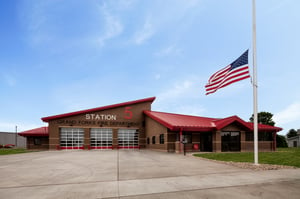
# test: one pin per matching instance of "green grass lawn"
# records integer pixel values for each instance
(4, 151)
(283, 156)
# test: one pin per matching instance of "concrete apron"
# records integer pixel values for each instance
(133, 174)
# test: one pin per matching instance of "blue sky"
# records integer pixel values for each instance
(59, 56)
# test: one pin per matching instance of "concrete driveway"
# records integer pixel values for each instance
(136, 174)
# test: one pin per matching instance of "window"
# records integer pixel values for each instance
(148, 140)
(37, 141)
(262, 136)
(161, 139)
(153, 139)
(187, 138)
(249, 136)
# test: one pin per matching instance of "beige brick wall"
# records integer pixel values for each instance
(154, 128)
(79, 121)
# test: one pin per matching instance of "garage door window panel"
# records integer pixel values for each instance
(71, 138)
(101, 138)
(128, 138)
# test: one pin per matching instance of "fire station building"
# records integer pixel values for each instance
(133, 125)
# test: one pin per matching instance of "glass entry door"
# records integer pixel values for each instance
(231, 141)
(128, 139)
(206, 141)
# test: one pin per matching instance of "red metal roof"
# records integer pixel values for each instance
(42, 131)
(263, 127)
(185, 122)
(176, 122)
(47, 119)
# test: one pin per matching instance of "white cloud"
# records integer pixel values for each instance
(113, 26)
(181, 97)
(52, 22)
(34, 18)
(145, 33)
(124, 4)
(290, 114)
(177, 90)
(170, 50)
(162, 17)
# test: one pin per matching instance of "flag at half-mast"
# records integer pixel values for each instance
(234, 72)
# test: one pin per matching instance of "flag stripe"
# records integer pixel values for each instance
(224, 83)
(234, 72)
(240, 71)
(218, 74)
(228, 83)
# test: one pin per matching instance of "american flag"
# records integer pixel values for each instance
(234, 72)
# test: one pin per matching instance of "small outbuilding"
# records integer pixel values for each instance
(294, 141)
(37, 138)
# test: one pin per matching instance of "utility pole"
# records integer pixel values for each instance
(16, 137)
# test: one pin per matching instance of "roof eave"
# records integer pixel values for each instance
(33, 134)
(193, 129)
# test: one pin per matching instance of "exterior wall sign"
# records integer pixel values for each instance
(100, 117)
(98, 123)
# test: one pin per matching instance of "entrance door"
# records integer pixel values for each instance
(128, 139)
(231, 141)
(206, 141)
(101, 138)
(295, 144)
(71, 138)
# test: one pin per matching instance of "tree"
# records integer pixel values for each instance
(263, 118)
(280, 141)
(291, 133)
(266, 118)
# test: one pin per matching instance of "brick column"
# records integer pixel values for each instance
(86, 143)
(217, 141)
(115, 142)
(243, 141)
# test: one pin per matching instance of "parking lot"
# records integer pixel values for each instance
(136, 174)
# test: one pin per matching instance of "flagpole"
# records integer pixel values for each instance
(254, 84)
